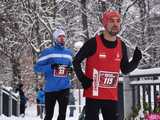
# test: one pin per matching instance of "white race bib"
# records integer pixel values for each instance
(61, 71)
(108, 79)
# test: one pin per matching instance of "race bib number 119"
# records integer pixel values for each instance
(108, 79)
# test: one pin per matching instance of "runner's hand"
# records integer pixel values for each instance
(86, 82)
(69, 69)
(137, 54)
(54, 66)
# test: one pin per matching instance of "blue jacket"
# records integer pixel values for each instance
(54, 55)
(41, 96)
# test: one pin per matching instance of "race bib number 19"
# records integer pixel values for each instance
(108, 79)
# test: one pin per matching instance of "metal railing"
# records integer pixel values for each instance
(9, 102)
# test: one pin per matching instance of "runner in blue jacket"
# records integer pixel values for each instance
(55, 63)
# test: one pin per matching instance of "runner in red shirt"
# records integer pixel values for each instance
(105, 56)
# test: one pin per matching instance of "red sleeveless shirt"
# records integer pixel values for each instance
(104, 67)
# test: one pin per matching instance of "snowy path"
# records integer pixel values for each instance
(31, 111)
(31, 115)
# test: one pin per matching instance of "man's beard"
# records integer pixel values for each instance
(113, 33)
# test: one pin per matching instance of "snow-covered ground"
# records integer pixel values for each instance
(31, 113)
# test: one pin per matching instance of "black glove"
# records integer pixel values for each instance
(137, 54)
(55, 66)
(69, 69)
(86, 82)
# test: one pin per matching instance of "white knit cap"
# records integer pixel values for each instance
(57, 33)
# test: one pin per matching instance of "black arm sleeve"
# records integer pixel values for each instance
(125, 65)
(87, 50)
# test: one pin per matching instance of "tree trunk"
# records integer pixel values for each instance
(84, 20)
(16, 71)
